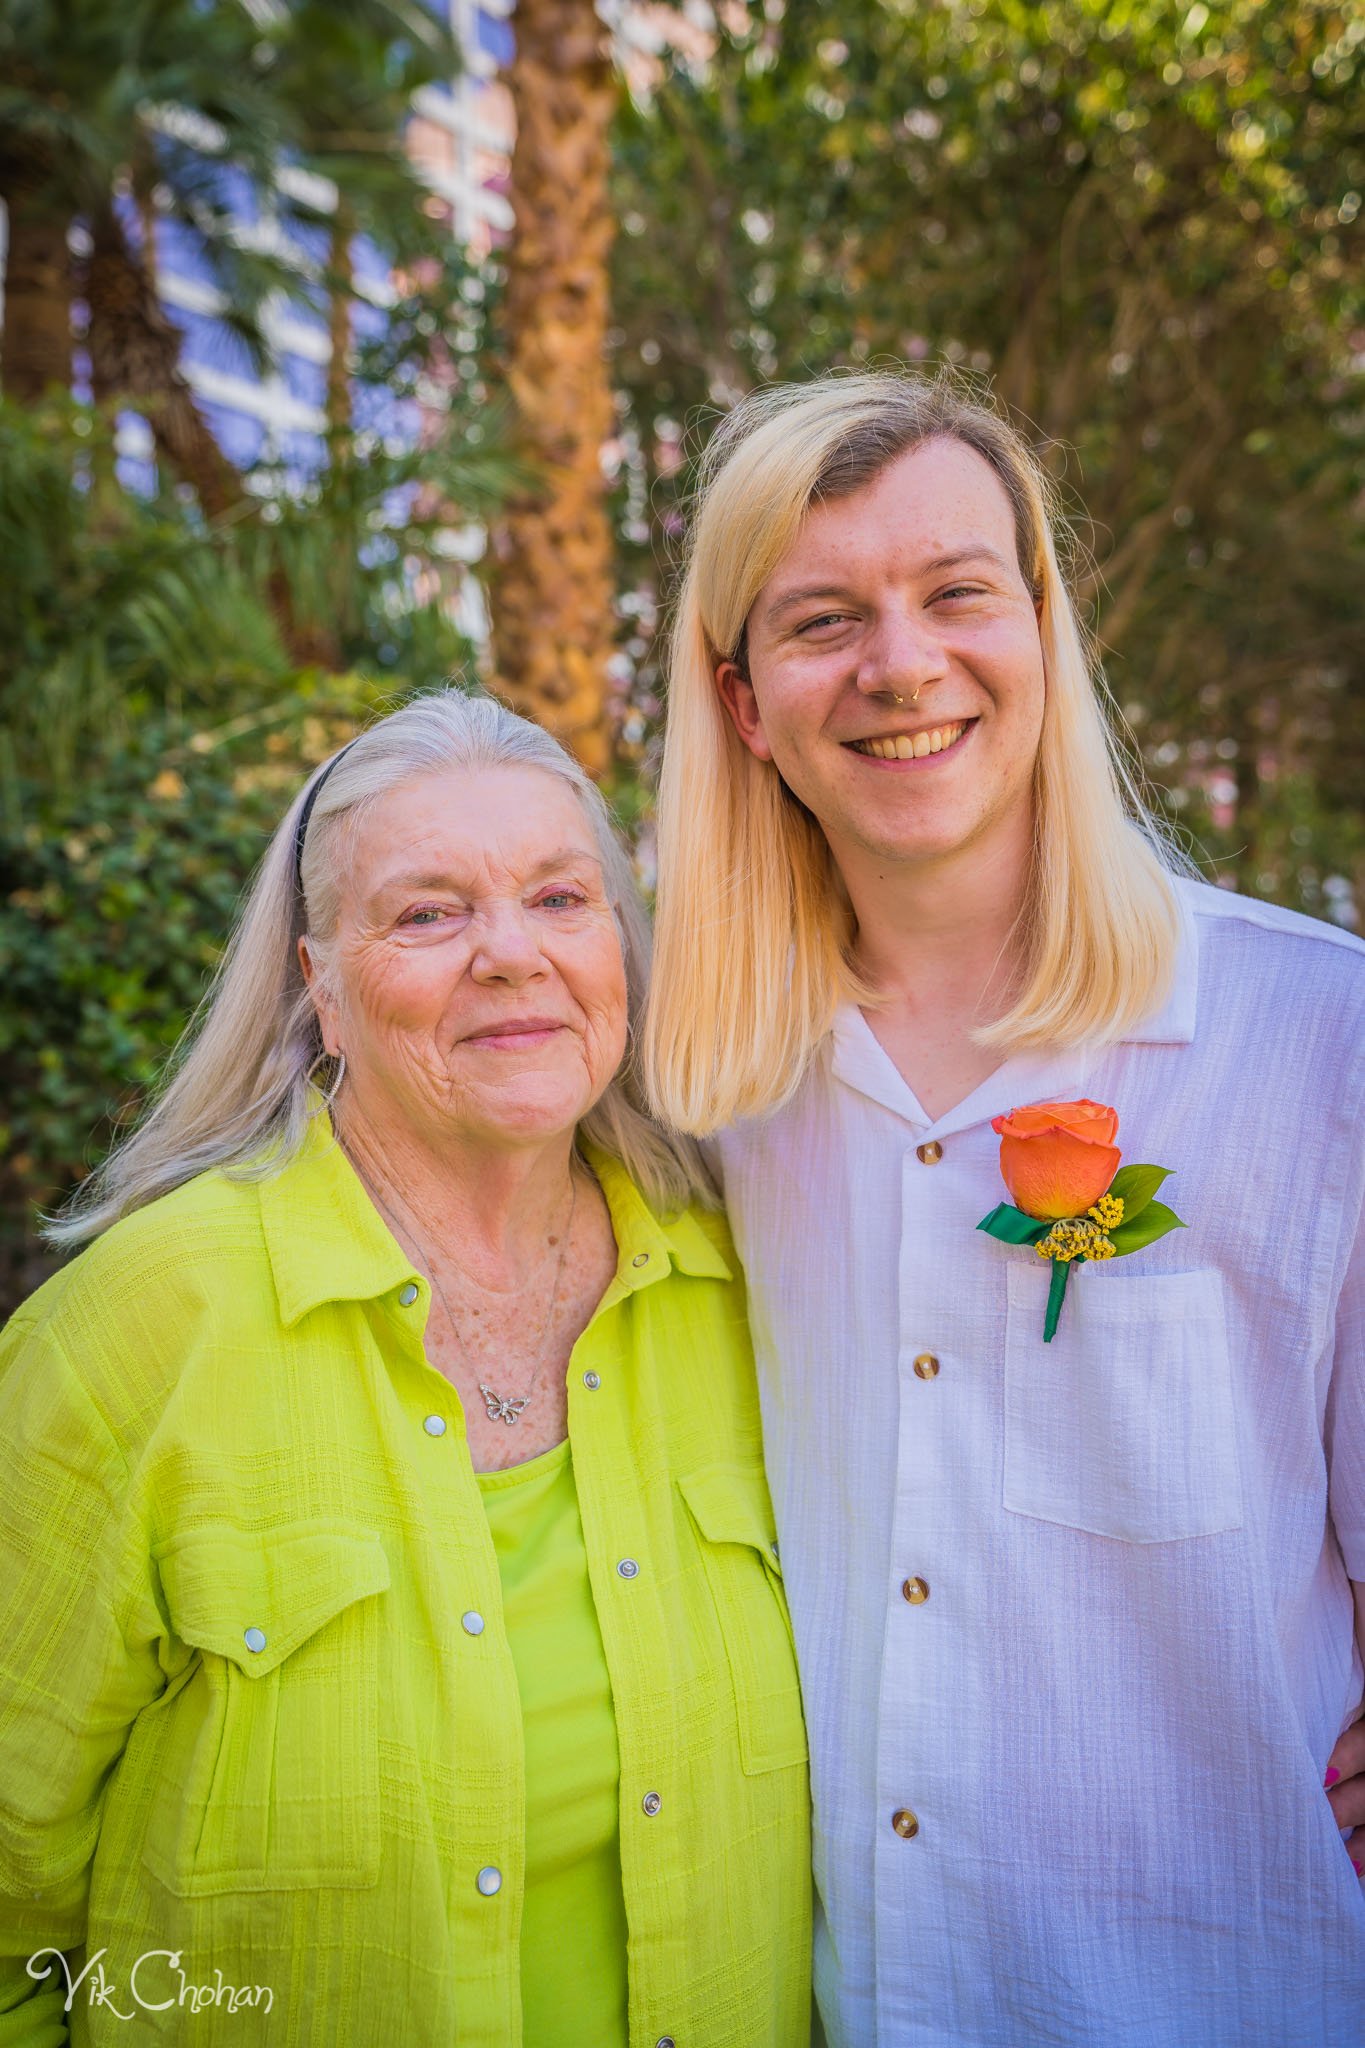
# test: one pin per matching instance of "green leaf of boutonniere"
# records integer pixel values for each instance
(1154, 1221)
(1135, 1186)
(1012, 1226)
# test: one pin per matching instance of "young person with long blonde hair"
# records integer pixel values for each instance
(1070, 1553)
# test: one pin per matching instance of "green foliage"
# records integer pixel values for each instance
(1155, 1220)
(343, 73)
(1142, 224)
(1135, 1187)
(126, 93)
(115, 608)
(206, 112)
(112, 607)
(116, 894)
(435, 336)
(166, 680)
(153, 733)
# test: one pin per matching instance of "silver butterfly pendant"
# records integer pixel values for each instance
(506, 1408)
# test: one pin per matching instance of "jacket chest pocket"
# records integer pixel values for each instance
(1125, 1424)
(269, 1756)
(739, 1558)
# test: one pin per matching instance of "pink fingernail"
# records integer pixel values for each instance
(1332, 1775)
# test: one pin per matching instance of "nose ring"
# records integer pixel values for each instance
(900, 700)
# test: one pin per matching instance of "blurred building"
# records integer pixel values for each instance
(460, 139)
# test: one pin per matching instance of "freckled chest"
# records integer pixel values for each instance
(500, 1341)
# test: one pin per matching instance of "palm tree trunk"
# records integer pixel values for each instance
(36, 346)
(340, 271)
(552, 580)
(135, 357)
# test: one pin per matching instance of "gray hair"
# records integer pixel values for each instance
(241, 1095)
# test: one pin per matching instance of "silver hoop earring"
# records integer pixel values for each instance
(329, 1095)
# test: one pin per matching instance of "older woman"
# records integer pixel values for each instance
(392, 1641)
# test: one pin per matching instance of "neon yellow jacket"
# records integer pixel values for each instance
(254, 1771)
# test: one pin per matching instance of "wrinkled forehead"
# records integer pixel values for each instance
(470, 823)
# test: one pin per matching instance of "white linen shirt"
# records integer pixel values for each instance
(1112, 1713)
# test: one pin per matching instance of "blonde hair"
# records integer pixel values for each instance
(241, 1095)
(753, 931)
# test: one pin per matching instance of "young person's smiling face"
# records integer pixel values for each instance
(911, 584)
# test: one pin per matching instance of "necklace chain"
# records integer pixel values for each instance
(508, 1408)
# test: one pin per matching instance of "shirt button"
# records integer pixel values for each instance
(926, 1366)
(472, 1623)
(665, 2041)
(905, 1823)
(650, 1804)
(640, 1259)
(915, 1591)
(930, 1154)
(489, 1880)
(592, 1381)
(407, 1294)
(628, 1569)
(254, 1639)
(435, 1425)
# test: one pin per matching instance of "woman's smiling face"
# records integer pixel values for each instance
(475, 980)
(910, 585)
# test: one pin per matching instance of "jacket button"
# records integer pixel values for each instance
(650, 1804)
(592, 1381)
(435, 1425)
(628, 1569)
(254, 1639)
(408, 1294)
(472, 1623)
(489, 1880)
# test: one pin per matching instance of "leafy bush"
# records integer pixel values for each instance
(152, 731)
(115, 899)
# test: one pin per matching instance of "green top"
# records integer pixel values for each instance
(573, 1916)
(258, 1702)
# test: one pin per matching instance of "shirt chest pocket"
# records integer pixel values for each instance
(740, 1561)
(1125, 1424)
(267, 1763)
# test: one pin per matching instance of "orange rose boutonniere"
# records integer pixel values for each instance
(1069, 1197)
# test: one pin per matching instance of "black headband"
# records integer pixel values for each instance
(301, 829)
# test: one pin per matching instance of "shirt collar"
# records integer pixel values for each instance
(1173, 1023)
(324, 1237)
(860, 1061)
(326, 1241)
(648, 1245)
